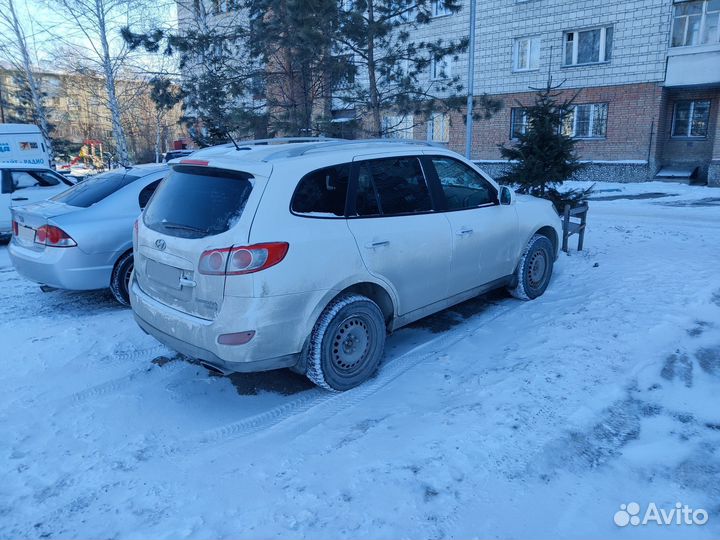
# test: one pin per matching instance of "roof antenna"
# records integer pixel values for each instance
(233, 140)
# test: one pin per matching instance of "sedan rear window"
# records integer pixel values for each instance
(93, 190)
(193, 202)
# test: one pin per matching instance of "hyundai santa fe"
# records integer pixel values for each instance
(305, 255)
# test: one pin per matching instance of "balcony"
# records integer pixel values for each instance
(693, 66)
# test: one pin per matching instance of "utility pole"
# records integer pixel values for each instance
(471, 82)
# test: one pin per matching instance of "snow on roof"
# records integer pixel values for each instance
(18, 128)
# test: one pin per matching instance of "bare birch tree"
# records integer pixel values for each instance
(17, 52)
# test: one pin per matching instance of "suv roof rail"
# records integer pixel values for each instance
(330, 143)
(287, 140)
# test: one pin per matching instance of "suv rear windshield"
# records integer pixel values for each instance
(193, 202)
(93, 190)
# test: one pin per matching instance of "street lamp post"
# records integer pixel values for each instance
(471, 81)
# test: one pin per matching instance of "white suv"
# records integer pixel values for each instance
(304, 255)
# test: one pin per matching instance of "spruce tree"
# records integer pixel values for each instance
(543, 156)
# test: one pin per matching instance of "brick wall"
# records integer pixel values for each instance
(687, 150)
(633, 117)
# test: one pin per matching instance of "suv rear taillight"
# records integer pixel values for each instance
(15, 227)
(49, 235)
(242, 260)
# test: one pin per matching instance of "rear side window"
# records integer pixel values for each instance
(93, 190)
(194, 202)
(24, 179)
(391, 187)
(322, 192)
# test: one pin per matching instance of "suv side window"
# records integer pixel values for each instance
(392, 186)
(322, 192)
(146, 193)
(463, 187)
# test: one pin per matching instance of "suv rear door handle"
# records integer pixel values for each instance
(464, 232)
(379, 243)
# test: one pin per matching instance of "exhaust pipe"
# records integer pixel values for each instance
(215, 369)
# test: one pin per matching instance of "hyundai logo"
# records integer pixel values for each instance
(160, 244)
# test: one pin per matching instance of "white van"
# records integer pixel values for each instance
(23, 144)
(25, 174)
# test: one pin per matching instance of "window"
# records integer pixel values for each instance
(588, 46)
(439, 127)
(146, 193)
(398, 127)
(195, 202)
(390, 187)
(696, 23)
(690, 118)
(526, 54)
(587, 121)
(322, 192)
(225, 6)
(440, 68)
(519, 122)
(463, 187)
(439, 9)
(25, 179)
(88, 192)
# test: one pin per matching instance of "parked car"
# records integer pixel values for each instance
(23, 184)
(174, 154)
(81, 239)
(304, 255)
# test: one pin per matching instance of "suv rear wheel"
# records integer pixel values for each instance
(346, 343)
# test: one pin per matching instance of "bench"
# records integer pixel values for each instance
(571, 225)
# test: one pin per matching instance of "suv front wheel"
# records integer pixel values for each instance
(346, 343)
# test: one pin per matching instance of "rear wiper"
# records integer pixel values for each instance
(183, 227)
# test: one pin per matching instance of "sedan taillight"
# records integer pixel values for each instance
(242, 260)
(49, 235)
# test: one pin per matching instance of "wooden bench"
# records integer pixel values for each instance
(571, 227)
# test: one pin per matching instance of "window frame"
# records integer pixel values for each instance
(592, 119)
(351, 167)
(513, 112)
(690, 119)
(435, 74)
(432, 187)
(701, 30)
(602, 52)
(430, 171)
(536, 38)
(438, 9)
(431, 127)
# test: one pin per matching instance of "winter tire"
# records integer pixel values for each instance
(120, 280)
(346, 343)
(535, 269)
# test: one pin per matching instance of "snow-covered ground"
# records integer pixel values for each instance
(497, 418)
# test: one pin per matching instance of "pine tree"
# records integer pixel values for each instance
(392, 69)
(218, 79)
(543, 156)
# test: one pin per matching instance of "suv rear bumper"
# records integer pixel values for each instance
(279, 322)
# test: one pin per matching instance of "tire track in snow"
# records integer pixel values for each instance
(106, 387)
(331, 404)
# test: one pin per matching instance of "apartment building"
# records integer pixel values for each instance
(645, 75)
(78, 111)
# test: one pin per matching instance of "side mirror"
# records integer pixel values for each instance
(507, 195)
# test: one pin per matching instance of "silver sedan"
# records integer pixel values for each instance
(81, 239)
